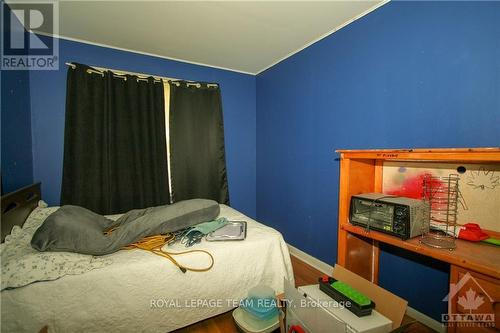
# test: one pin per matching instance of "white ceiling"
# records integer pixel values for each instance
(241, 36)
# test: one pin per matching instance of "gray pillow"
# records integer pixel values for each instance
(70, 228)
(76, 229)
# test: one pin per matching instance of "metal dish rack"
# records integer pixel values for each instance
(441, 194)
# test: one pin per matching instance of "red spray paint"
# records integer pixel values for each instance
(412, 187)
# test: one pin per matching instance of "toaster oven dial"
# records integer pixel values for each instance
(398, 227)
(399, 219)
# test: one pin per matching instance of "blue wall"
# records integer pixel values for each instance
(410, 74)
(48, 94)
(16, 148)
(17, 162)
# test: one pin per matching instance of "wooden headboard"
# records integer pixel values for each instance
(16, 206)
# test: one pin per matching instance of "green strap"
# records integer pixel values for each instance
(207, 227)
(195, 234)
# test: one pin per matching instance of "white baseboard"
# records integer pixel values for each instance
(323, 267)
(310, 260)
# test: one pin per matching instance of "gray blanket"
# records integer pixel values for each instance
(76, 229)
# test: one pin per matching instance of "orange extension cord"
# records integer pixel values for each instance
(154, 244)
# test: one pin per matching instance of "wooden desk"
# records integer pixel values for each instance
(358, 250)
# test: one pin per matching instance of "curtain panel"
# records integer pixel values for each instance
(197, 153)
(115, 146)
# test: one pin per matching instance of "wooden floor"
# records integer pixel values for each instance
(223, 323)
(303, 274)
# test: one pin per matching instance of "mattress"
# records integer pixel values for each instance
(141, 292)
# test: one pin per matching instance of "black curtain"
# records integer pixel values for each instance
(197, 155)
(115, 148)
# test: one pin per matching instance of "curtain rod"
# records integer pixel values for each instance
(141, 75)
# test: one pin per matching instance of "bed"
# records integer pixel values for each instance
(139, 291)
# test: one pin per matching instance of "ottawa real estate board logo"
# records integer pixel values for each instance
(474, 306)
(22, 48)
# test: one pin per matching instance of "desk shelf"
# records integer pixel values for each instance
(482, 258)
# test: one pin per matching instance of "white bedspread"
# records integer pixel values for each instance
(22, 264)
(141, 292)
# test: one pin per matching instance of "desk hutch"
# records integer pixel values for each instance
(358, 250)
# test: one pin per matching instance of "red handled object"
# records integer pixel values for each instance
(472, 232)
(296, 329)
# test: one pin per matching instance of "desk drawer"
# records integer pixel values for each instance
(478, 295)
(489, 284)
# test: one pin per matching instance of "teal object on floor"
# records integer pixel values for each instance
(260, 308)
